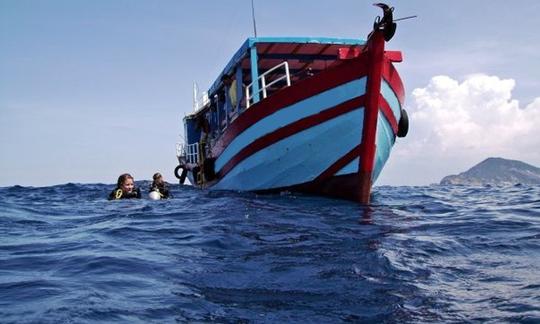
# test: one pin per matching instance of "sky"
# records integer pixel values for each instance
(93, 89)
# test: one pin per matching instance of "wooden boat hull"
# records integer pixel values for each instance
(329, 133)
(311, 136)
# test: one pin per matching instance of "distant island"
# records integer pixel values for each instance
(496, 171)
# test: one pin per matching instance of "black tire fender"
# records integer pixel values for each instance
(403, 125)
(180, 176)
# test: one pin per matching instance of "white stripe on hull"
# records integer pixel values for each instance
(291, 114)
(299, 158)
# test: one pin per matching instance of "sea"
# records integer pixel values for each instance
(428, 254)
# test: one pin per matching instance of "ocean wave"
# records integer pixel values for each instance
(416, 254)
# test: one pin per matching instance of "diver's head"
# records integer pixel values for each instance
(126, 182)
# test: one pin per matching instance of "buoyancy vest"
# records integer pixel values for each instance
(161, 188)
(120, 194)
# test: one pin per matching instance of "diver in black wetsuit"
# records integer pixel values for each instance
(160, 186)
(125, 188)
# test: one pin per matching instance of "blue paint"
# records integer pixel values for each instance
(291, 114)
(391, 98)
(384, 142)
(254, 75)
(239, 88)
(250, 43)
(306, 40)
(191, 131)
(352, 167)
(298, 158)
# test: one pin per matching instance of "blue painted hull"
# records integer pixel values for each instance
(328, 134)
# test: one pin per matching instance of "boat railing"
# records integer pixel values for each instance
(265, 86)
(201, 101)
(180, 152)
(191, 152)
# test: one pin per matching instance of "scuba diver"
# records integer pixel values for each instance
(159, 188)
(125, 188)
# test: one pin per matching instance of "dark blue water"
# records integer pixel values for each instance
(418, 254)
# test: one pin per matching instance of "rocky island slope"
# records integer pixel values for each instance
(496, 171)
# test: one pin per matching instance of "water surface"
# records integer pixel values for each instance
(417, 254)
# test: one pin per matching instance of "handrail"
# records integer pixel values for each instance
(180, 149)
(191, 152)
(201, 101)
(265, 86)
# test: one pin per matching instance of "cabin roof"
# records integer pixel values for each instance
(273, 50)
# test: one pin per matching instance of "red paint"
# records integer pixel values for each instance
(342, 186)
(338, 165)
(392, 77)
(347, 53)
(325, 80)
(289, 130)
(393, 56)
(373, 62)
(367, 148)
(388, 114)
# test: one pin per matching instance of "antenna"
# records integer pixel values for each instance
(195, 96)
(253, 16)
(404, 18)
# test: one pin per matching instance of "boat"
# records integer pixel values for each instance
(300, 114)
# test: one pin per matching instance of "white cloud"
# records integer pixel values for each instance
(455, 125)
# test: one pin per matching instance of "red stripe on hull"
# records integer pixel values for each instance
(338, 165)
(345, 72)
(289, 130)
(388, 114)
(356, 186)
(391, 76)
